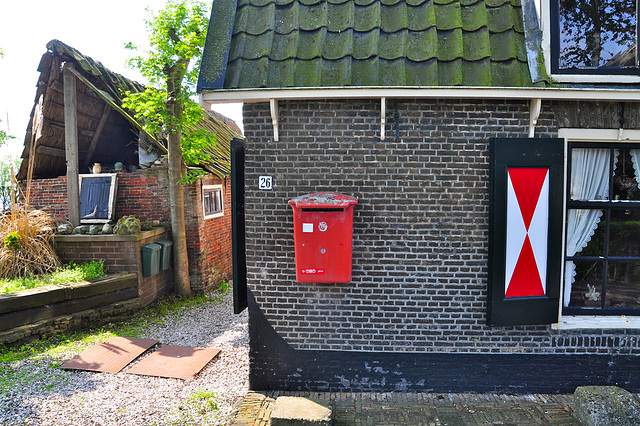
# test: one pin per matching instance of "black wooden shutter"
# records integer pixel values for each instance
(526, 185)
(237, 226)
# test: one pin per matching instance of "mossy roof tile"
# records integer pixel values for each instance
(337, 45)
(421, 17)
(394, 18)
(317, 43)
(340, 17)
(474, 16)
(366, 45)
(448, 16)
(336, 73)
(450, 45)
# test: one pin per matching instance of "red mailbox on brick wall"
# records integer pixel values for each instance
(323, 233)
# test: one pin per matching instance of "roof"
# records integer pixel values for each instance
(106, 132)
(335, 43)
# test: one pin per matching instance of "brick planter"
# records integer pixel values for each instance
(121, 253)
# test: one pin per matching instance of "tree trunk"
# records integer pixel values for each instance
(176, 193)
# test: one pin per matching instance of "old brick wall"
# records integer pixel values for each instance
(209, 239)
(420, 247)
(145, 194)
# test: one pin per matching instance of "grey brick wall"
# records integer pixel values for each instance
(420, 227)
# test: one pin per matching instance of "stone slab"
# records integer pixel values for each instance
(605, 405)
(300, 411)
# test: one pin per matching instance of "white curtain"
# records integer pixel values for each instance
(589, 182)
(635, 158)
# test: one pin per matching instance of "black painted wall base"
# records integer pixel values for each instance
(274, 365)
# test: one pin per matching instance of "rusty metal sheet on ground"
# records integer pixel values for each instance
(180, 362)
(109, 356)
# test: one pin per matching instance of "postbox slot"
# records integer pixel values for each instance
(321, 210)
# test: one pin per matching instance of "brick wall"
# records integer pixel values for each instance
(209, 239)
(420, 247)
(121, 253)
(145, 194)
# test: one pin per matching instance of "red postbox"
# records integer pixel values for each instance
(323, 233)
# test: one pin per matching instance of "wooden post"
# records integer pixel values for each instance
(71, 144)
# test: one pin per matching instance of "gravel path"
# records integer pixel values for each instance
(45, 395)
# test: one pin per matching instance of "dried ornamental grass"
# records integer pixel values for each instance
(35, 254)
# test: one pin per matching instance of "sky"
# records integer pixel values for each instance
(96, 29)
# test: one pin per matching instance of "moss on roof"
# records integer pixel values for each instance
(321, 43)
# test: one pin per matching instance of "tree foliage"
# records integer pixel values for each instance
(176, 36)
(594, 31)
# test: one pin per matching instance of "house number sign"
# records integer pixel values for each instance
(265, 182)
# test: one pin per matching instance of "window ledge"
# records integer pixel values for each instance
(569, 322)
(595, 78)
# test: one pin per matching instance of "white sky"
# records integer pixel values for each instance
(97, 29)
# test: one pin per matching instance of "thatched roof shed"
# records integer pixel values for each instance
(106, 133)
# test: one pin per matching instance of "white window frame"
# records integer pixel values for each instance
(567, 322)
(545, 23)
(214, 188)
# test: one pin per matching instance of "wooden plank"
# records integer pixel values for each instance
(71, 143)
(94, 141)
(54, 152)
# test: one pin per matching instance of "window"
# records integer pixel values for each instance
(594, 36)
(602, 257)
(212, 201)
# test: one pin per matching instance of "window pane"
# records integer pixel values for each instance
(597, 33)
(625, 181)
(585, 232)
(624, 233)
(586, 290)
(590, 174)
(623, 285)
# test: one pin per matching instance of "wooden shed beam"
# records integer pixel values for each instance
(71, 143)
(96, 135)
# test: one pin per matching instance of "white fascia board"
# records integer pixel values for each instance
(457, 92)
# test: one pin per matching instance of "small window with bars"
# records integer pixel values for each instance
(212, 201)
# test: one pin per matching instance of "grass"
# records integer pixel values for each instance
(65, 274)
